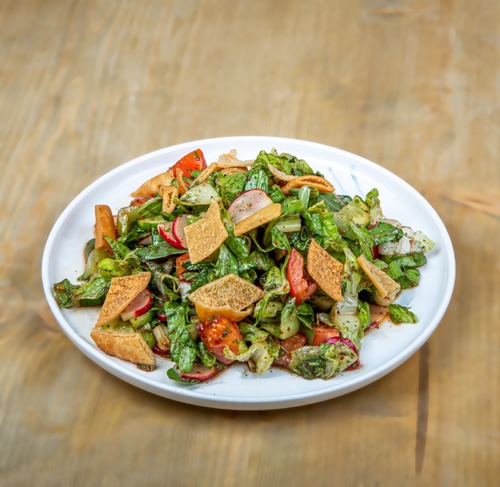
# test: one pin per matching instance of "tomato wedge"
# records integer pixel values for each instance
(194, 161)
(179, 268)
(288, 346)
(300, 287)
(218, 333)
(322, 333)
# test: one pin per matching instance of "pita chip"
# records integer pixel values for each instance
(230, 296)
(152, 186)
(121, 293)
(327, 271)
(386, 287)
(129, 346)
(206, 235)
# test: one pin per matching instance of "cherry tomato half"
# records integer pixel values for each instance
(194, 161)
(218, 333)
(300, 287)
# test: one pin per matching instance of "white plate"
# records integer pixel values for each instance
(236, 388)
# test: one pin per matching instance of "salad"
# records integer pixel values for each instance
(257, 261)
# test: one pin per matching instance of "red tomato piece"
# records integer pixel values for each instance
(194, 161)
(288, 346)
(218, 333)
(300, 287)
(179, 268)
(322, 333)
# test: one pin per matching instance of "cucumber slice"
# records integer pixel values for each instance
(118, 325)
(150, 223)
(142, 319)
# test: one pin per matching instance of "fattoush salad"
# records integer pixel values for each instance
(255, 261)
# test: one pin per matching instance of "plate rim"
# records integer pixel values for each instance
(189, 395)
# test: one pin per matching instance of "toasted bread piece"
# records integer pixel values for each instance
(206, 235)
(151, 186)
(327, 271)
(257, 219)
(205, 312)
(230, 160)
(129, 346)
(211, 168)
(104, 226)
(181, 184)
(321, 184)
(168, 193)
(231, 291)
(386, 287)
(121, 293)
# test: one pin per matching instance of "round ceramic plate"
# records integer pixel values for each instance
(236, 388)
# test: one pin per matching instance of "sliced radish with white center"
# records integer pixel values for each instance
(140, 304)
(178, 226)
(248, 203)
(166, 233)
(200, 373)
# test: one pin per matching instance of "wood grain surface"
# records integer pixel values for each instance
(88, 84)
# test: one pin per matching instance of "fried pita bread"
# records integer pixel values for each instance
(129, 346)
(206, 235)
(259, 218)
(104, 227)
(206, 172)
(327, 271)
(321, 184)
(205, 312)
(151, 186)
(181, 184)
(230, 296)
(230, 160)
(168, 193)
(121, 293)
(386, 287)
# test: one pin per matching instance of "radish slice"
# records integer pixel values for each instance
(146, 240)
(178, 226)
(140, 304)
(200, 373)
(280, 174)
(248, 203)
(166, 233)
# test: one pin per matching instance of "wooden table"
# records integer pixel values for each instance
(411, 85)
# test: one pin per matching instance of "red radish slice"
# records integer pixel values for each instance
(178, 226)
(248, 203)
(146, 240)
(166, 233)
(141, 304)
(200, 373)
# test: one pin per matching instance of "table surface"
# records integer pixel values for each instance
(411, 85)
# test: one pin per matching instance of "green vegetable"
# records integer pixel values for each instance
(109, 268)
(257, 179)
(230, 186)
(92, 293)
(92, 264)
(401, 314)
(323, 362)
(354, 212)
